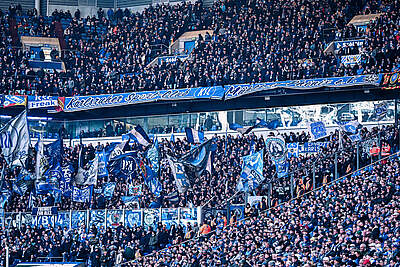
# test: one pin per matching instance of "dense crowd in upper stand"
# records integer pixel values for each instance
(215, 189)
(252, 41)
(351, 222)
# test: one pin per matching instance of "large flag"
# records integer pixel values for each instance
(197, 159)
(108, 190)
(151, 179)
(66, 178)
(150, 171)
(14, 140)
(115, 149)
(194, 136)
(82, 195)
(103, 160)
(351, 127)
(54, 175)
(41, 160)
(123, 165)
(282, 167)
(138, 134)
(19, 186)
(317, 130)
(88, 176)
(153, 156)
(252, 172)
(54, 151)
(177, 169)
(276, 148)
(4, 195)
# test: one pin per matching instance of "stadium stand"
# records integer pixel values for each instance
(273, 46)
(255, 196)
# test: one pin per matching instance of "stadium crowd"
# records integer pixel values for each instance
(212, 189)
(349, 222)
(249, 41)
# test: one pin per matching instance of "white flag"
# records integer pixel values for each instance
(14, 140)
(88, 177)
(41, 160)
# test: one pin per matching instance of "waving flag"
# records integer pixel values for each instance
(108, 190)
(4, 195)
(124, 165)
(380, 110)
(82, 195)
(19, 186)
(317, 130)
(88, 176)
(41, 161)
(138, 134)
(252, 172)
(102, 171)
(134, 190)
(177, 169)
(194, 136)
(54, 151)
(151, 179)
(197, 159)
(66, 178)
(351, 128)
(14, 140)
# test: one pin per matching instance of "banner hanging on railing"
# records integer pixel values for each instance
(78, 103)
(234, 91)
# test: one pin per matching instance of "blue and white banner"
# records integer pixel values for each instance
(350, 126)
(78, 219)
(42, 102)
(193, 136)
(88, 176)
(169, 217)
(133, 218)
(82, 195)
(238, 211)
(65, 182)
(78, 103)
(276, 148)
(292, 150)
(103, 160)
(380, 110)
(282, 168)
(252, 172)
(63, 219)
(234, 91)
(317, 130)
(97, 219)
(108, 190)
(178, 171)
(349, 43)
(188, 215)
(151, 217)
(150, 179)
(350, 60)
(114, 218)
(45, 221)
(312, 147)
(172, 59)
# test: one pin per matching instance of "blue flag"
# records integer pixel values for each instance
(282, 168)
(252, 172)
(317, 130)
(102, 170)
(178, 171)
(54, 151)
(54, 175)
(151, 179)
(43, 188)
(65, 183)
(197, 158)
(124, 165)
(4, 195)
(194, 136)
(108, 190)
(82, 195)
